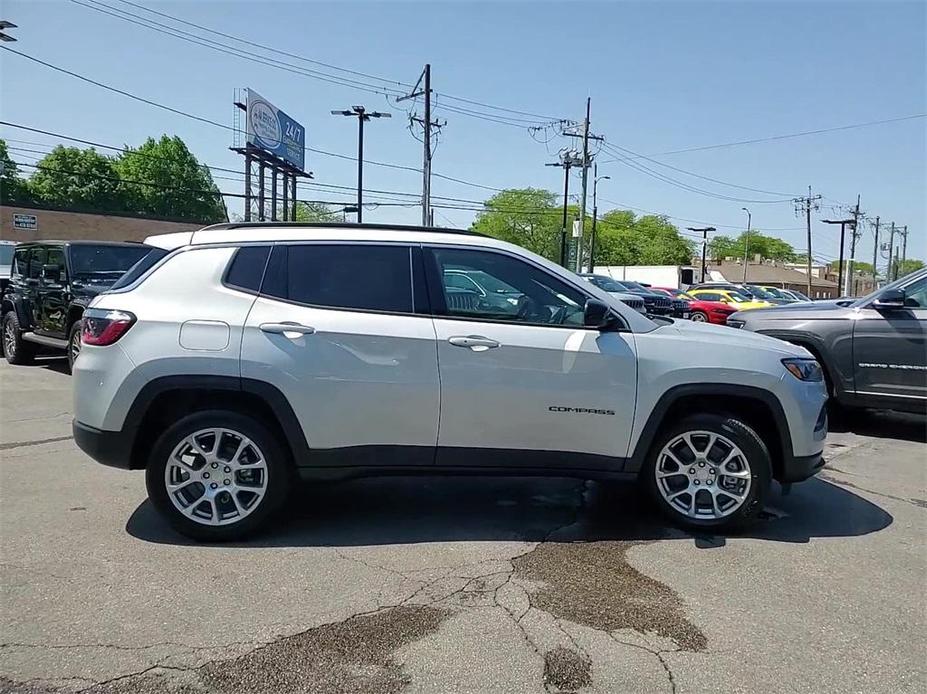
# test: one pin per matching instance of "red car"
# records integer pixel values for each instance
(701, 311)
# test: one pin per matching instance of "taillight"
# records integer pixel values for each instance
(103, 327)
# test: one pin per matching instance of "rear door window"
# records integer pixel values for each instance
(359, 277)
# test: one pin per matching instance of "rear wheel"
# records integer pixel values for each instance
(17, 350)
(709, 470)
(217, 475)
(699, 317)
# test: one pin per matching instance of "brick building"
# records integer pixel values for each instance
(34, 224)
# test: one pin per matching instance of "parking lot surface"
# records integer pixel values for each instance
(457, 584)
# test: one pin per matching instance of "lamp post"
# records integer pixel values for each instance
(595, 213)
(843, 224)
(747, 241)
(362, 115)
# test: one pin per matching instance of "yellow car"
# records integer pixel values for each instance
(728, 297)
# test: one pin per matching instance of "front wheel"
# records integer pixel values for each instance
(709, 470)
(698, 317)
(217, 475)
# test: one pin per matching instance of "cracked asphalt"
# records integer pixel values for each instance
(457, 585)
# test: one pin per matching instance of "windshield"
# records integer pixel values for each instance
(775, 293)
(739, 298)
(760, 293)
(491, 284)
(636, 288)
(6, 253)
(104, 260)
(608, 284)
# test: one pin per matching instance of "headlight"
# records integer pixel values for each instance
(736, 324)
(804, 369)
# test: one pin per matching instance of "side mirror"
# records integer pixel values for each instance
(889, 299)
(51, 273)
(597, 314)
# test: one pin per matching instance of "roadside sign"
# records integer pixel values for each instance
(28, 222)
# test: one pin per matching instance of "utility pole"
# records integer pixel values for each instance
(704, 231)
(875, 255)
(850, 285)
(427, 124)
(891, 251)
(806, 204)
(595, 213)
(746, 241)
(568, 159)
(362, 115)
(585, 164)
(895, 275)
(904, 245)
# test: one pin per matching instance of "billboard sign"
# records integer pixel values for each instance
(273, 131)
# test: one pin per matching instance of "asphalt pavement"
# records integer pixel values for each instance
(457, 584)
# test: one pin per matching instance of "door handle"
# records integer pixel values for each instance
(287, 328)
(477, 343)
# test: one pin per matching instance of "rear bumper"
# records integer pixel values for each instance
(801, 467)
(113, 448)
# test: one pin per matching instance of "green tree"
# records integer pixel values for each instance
(13, 189)
(315, 212)
(908, 266)
(767, 247)
(77, 178)
(529, 217)
(623, 238)
(162, 178)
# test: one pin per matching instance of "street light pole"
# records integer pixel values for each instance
(595, 213)
(843, 223)
(746, 241)
(362, 115)
(704, 232)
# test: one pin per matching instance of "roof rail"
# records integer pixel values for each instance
(339, 225)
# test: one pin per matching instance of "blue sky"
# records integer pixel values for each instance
(663, 76)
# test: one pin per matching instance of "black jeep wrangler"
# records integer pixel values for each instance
(51, 283)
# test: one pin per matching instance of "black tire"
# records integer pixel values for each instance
(755, 456)
(73, 350)
(279, 475)
(17, 350)
(699, 317)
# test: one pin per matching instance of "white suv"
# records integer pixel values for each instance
(248, 355)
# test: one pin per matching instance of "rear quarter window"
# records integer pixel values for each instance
(147, 262)
(247, 268)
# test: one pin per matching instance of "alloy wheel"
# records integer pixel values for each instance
(216, 476)
(9, 337)
(75, 345)
(698, 317)
(703, 475)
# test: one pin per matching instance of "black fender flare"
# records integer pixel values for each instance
(275, 400)
(14, 302)
(676, 393)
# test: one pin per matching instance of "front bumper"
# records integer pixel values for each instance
(800, 468)
(112, 448)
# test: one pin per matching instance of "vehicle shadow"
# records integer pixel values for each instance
(883, 424)
(405, 510)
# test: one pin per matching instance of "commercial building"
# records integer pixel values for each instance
(35, 224)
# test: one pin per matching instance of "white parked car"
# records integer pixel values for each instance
(252, 354)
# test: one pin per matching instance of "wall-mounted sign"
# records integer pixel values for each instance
(26, 222)
(273, 131)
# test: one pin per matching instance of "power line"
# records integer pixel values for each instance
(689, 173)
(398, 90)
(685, 186)
(791, 135)
(208, 121)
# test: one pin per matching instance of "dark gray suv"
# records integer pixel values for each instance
(873, 350)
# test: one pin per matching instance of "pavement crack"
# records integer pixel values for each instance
(657, 653)
(919, 503)
(37, 442)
